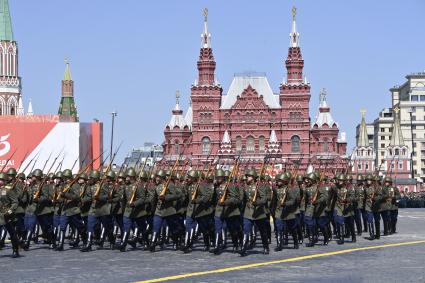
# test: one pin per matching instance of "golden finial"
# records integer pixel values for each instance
(205, 14)
(177, 96)
(363, 112)
(294, 13)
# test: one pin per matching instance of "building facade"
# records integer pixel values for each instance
(252, 122)
(409, 100)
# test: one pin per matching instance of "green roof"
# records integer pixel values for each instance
(6, 32)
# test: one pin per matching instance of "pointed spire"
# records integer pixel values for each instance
(226, 137)
(6, 31)
(324, 116)
(294, 35)
(189, 115)
(273, 146)
(397, 136)
(363, 140)
(177, 116)
(20, 111)
(206, 36)
(226, 145)
(273, 137)
(30, 110)
(206, 63)
(67, 75)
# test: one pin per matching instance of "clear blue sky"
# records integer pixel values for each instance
(132, 55)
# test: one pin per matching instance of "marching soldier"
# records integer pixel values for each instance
(71, 210)
(255, 200)
(388, 194)
(8, 205)
(17, 183)
(58, 206)
(301, 225)
(369, 196)
(227, 200)
(395, 198)
(359, 213)
(40, 208)
(165, 195)
(378, 200)
(344, 209)
(136, 198)
(100, 210)
(116, 200)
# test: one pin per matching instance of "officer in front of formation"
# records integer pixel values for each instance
(254, 200)
(8, 205)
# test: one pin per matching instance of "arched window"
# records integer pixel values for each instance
(295, 144)
(12, 110)
(396, 151)
(238, 144)
(325, 145)
(250, 144)
(261, 144)
(206, 145)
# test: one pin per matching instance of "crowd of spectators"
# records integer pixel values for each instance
(412, 200)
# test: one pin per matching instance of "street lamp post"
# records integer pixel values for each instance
(413, 148)
(114, 114)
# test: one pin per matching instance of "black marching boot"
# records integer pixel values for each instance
(153, 242)
(371, 228)
(61, 241)
(207, 242)
(353, 234)
(340, 234)
(89, 243)
(28, 239)
(235, 243)
(279, 239)
(310, 238)
(377, 230)
(265, 242)
(245, 244)
(295, 237)
(217, 244)
(187, 242)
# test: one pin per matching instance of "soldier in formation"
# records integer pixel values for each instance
(135, 206)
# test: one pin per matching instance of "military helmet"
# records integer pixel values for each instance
(111, 174)
(21, 176)
(219, 173)
(349, 177)
(299, 178)
(3, 176)
(130, 172)
(288, 175)
(144, 175)
(227, 173)
(83, 176)
(168, 173)
(360, 178)
(369, 177)
(341, 177)
(121, 175)
(280, 177)
(58, 175)
(95, 174)
(67, 173)
(193, 174)
(251, 172)
(161, 173)
(51, 175)
(317, 174)
(11, 172)
(37, 173)
(311, 176)
(388, 179)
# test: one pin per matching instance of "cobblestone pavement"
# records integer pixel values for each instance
(402, 263)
